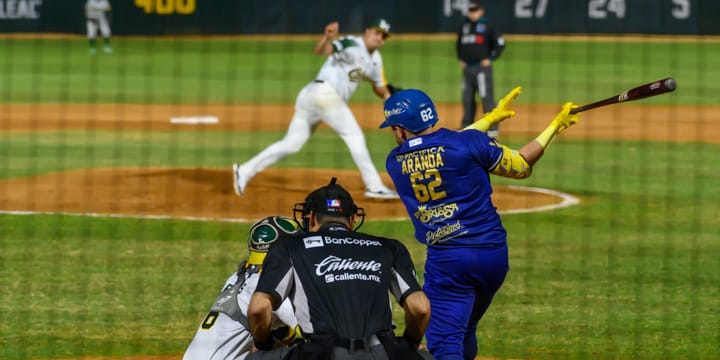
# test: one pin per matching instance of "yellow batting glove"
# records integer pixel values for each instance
(564, 119)
(498, 114)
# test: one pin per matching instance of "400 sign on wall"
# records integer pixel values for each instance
(167, 7)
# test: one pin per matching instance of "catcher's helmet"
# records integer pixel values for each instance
(410, 109)
(267, 230)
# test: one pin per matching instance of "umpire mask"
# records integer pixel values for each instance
(331, 199)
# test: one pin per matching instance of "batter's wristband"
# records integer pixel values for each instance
(547, 135)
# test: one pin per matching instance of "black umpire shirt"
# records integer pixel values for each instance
(338, 280)
(477, 41)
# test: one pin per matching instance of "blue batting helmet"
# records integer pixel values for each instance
(410, 109)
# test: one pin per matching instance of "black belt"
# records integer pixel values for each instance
(319, 81)
(356, 344)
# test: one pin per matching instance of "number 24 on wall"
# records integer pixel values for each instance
(167, 7)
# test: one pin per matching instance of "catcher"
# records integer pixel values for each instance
(224, 334)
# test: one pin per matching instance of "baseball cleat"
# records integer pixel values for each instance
(383, 193)
(239, 180)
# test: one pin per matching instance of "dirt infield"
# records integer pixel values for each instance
(206, 193)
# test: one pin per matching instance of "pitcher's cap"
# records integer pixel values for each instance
(474, 5)
(382, 26)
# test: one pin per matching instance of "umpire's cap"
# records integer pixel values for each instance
(331, 199)
(410, 109)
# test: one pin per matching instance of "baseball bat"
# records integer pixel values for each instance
(640, 92)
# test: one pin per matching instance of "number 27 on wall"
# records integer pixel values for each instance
(167, 7)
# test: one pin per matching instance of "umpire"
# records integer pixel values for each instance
(478, 45)
(338, 281)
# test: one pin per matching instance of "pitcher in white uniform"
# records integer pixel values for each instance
(351, 59)
(97, 14)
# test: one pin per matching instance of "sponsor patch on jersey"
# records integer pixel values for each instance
(415, 141)
(333, 269)
(313, 241)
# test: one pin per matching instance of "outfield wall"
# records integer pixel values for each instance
(149, 17)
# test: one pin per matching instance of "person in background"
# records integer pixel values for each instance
(350, 61)
(97, 15)
(478, 46)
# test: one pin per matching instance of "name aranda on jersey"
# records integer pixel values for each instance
(421, 160)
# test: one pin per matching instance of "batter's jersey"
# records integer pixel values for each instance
(338, 280)
(95, 9)
(349, 64)
(443, 180)
(224, 333)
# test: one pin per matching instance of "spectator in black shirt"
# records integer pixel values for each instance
(478, 45)
(338, 282)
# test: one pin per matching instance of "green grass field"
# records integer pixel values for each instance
(632, 272)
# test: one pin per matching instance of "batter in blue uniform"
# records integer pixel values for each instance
(443, 179)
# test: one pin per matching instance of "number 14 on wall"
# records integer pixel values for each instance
(167, 7)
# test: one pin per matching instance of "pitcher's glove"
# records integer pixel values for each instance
(393, 89)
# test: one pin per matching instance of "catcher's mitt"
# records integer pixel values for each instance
(393, 89)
